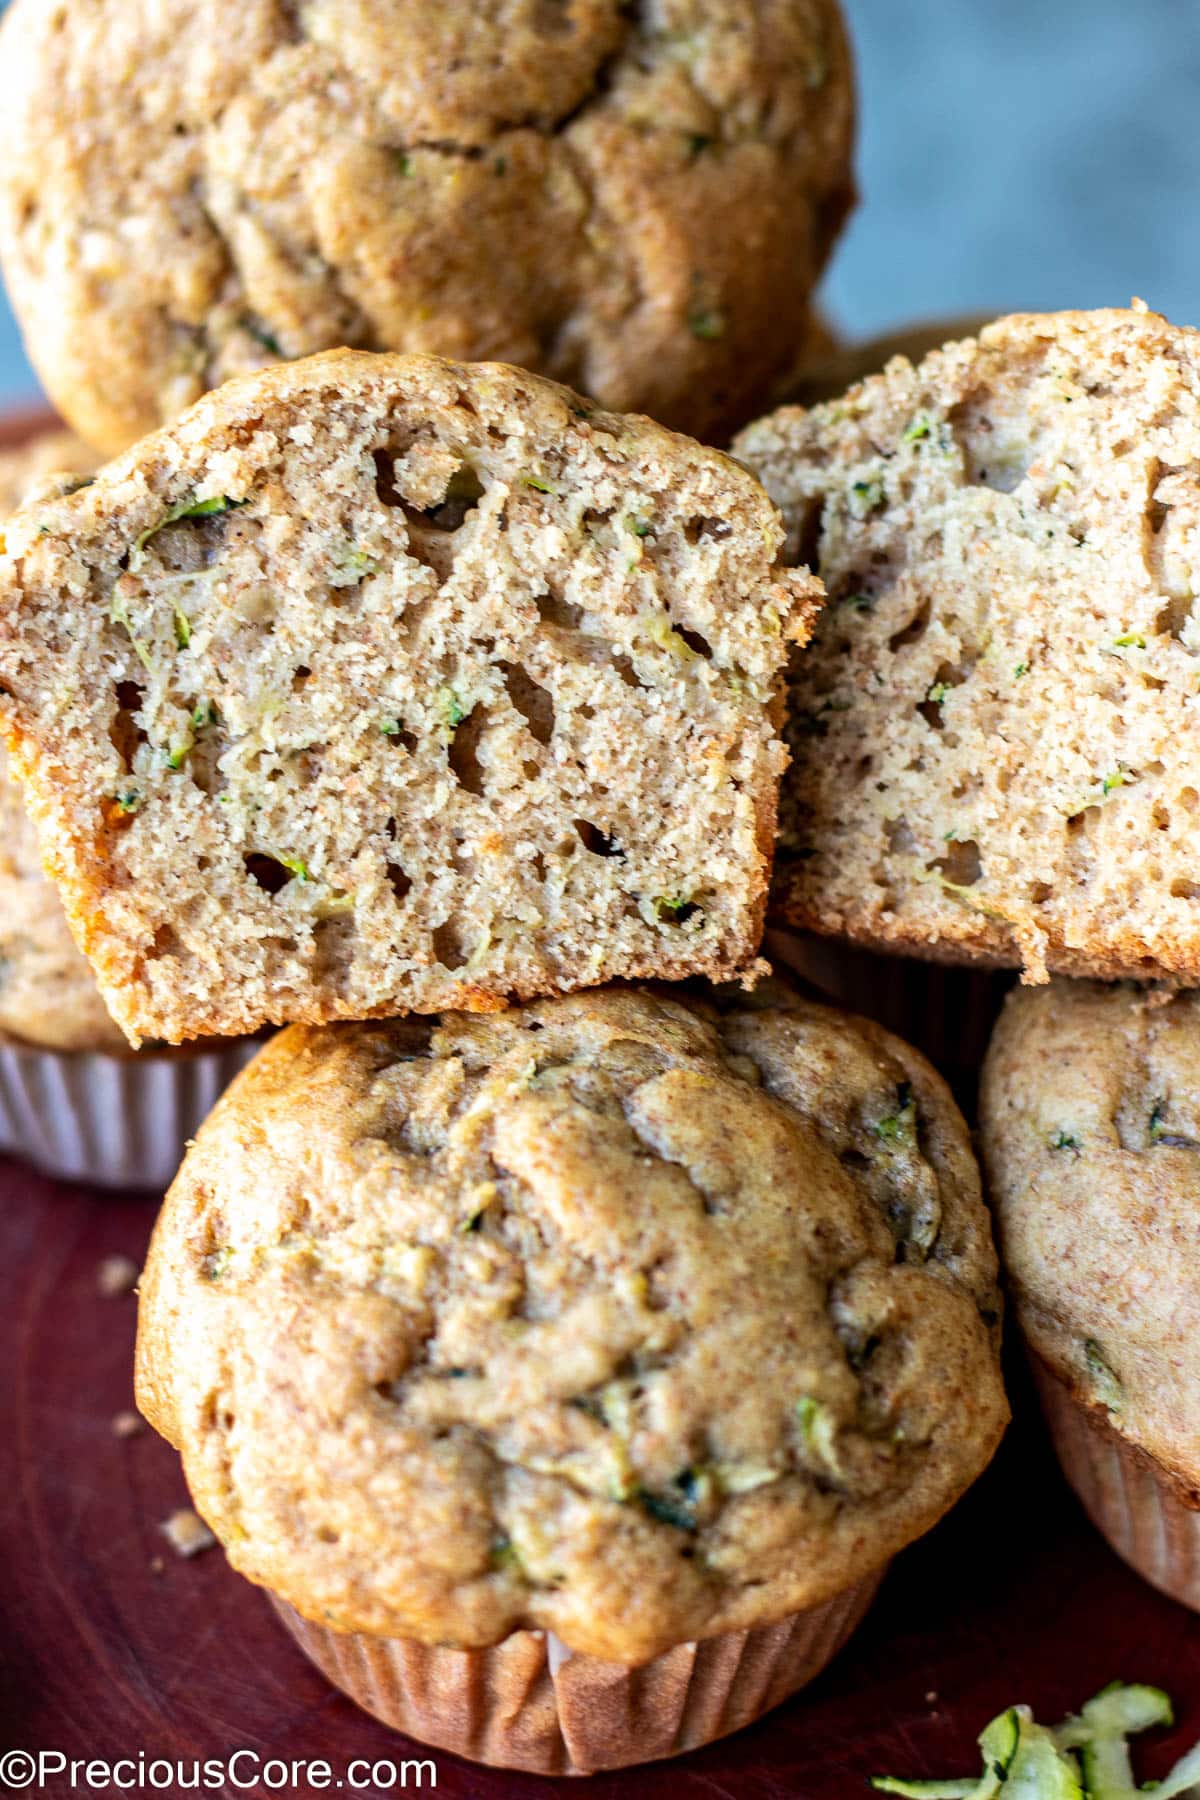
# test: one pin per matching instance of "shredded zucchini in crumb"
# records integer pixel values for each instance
(818, 1428)
(900, 1126)
(118, 612)
(191, 508)
(1105, 1382)
(450, 708)
(660, 631)
(1086, 1757)
(865, 497)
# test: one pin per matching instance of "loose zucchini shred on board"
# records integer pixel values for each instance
(1085, 1758)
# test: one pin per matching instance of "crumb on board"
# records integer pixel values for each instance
(157, 1565)
(126, 1425)
(931, 1698)
(187, 1533)
(116, 1275)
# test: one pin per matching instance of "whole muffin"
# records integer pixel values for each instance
(995, 754)
(1091, 1137)
(635, 201)
(618, 1318)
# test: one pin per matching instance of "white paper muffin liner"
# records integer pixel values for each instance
(531, 1703)
(110, 1121)
(1132, 1500)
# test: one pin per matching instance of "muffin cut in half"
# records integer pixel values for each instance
(382, 683)
(995, 736)
(626, 1317)
(1090, 1126)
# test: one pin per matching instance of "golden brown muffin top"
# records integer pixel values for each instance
(1091, 1139)
(619, 1316)
(636, 200)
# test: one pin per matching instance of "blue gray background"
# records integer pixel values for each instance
(1014, 153)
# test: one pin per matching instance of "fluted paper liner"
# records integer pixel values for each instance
(531, 1703)
(111, 1121)
(1137, 1505)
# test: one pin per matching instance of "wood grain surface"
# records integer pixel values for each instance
(111, 1644)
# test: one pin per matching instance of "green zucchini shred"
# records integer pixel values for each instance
(925, 1790)
(866, 497)
(258, 331)
(503, 1556)
(1086, 1757)
(118, 612)
(899, 1127)
(1103, 1377)
(448, 704)
(676, 1507)
(212, 508)
(707, 323)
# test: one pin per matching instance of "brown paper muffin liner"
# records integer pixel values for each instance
(530, 1703)
(111, 1121)
(1133, 1501)
(945, 1011)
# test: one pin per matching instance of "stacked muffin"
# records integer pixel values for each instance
(995, 762)
(630, 1329)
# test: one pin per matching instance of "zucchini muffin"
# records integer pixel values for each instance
(1091, 1138)
(623, 1318)
(384, 683)
(635, 200)
(48, 994)
(995, 744)
(72, 1098)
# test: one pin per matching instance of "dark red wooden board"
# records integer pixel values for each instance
(110, 1645)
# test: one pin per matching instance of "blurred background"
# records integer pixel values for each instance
(1039, 153)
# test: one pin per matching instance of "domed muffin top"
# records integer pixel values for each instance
(1091, 1137)
(623, 1316)
(634, 199)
